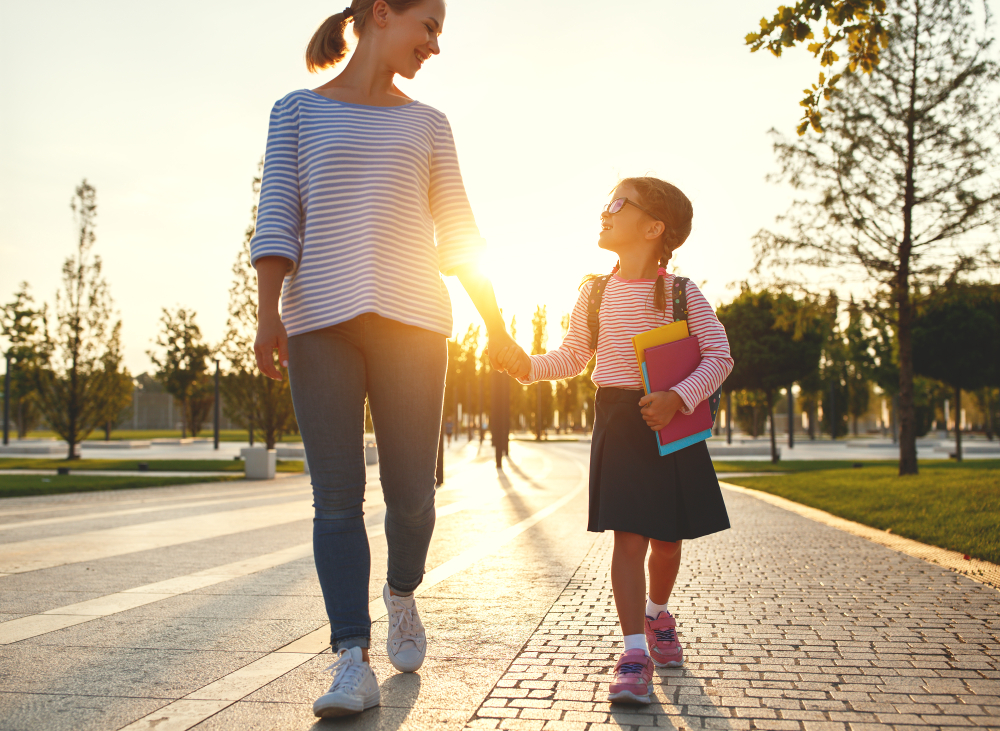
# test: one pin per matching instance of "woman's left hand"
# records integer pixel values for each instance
(659, 407)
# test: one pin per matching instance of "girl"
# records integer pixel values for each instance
(649, 501)
(359, 181)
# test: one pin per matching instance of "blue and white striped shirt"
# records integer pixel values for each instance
(354, 196)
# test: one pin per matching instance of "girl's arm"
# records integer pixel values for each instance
(716, 360)
(570, 358)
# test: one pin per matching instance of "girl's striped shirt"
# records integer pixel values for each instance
(354, 197)
(627, 309)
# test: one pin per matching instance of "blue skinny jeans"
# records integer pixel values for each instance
(401, 369)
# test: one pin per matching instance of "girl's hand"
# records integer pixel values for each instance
(271, 336)
(659, 407)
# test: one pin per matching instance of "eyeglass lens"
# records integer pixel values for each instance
(616, 205)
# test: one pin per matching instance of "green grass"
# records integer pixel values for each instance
(947, 505)
(225, 435)
(132, 465)
(21, 485)
(821, 465)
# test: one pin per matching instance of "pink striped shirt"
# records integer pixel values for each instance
(627, 309)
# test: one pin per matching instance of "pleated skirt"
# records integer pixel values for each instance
(634, 489)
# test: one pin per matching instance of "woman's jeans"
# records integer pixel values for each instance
(402, 370)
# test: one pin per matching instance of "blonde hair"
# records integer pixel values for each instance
(328, 46)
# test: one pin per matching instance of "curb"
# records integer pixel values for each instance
(982, 571)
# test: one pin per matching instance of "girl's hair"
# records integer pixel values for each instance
(328, 46)
(671, 207)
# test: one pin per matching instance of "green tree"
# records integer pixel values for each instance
(772, 345)
(71, 386)
(859, 366)
(902, 177)
(858, 24)
(751, 408)
(542, 416)
(953, 328)
(117, 383)
(23, 327)
(182, 367)
(251, 401)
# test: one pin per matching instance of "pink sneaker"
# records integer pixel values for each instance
(661, 639)
(633, 674)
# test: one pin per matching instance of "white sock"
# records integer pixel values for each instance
(653, 610)
(635, 642)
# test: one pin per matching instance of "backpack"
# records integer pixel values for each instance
(678, 296)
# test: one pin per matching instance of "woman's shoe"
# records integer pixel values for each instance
(633, 674)
(661, 639)
(407, 641)
(354, 688)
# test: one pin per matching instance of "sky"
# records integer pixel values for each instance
(164, 109)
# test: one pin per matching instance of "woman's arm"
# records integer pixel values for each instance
(271, 333)
(481, 293)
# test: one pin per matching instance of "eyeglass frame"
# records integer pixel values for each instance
(607, 208)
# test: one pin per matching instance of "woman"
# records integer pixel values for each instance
(359, 181)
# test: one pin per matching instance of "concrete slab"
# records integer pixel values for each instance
(256, 716)
(20, 711)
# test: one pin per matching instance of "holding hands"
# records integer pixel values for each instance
(659, 407)
(506, 355)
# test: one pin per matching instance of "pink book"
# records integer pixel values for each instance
(666, 366)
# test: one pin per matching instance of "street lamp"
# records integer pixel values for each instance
(216, 404)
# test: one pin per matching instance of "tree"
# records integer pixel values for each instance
(182, 367)
(71, 389)
(23, 327)
(772, 343)
(860, 364)
(950, 335)
(543, 389)
(252, 401)
(858, 23)
(902, 178)
(117, 384)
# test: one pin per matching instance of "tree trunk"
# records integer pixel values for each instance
(107, 431)
(791, 417)
(904, 305)
(538, 411)
(770, 415)
(958, 423)
(989, 413)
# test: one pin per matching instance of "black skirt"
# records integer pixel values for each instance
(634, 489)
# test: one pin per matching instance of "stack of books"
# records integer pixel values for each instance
(668, 355)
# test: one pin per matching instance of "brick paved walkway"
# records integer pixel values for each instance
(787, 624)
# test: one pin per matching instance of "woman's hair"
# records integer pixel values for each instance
(328, 46)
(667, 204)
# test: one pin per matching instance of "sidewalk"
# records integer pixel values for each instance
(786, 624)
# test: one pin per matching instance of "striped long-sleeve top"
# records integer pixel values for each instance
(368, 205)
(627, 309)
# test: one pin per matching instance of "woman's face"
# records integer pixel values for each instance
(411, 37)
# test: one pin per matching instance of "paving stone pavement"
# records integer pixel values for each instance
(786, 624)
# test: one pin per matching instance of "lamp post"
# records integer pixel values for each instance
(6, 402)
(791, 413)
(216, 405)
(729, 417)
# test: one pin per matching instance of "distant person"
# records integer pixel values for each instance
(359, 181)
(649, 501)
(449, 429)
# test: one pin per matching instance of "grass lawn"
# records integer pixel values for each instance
(225, 435)
(19, 485)
(840, 464)
(948, 505)
(132, 465)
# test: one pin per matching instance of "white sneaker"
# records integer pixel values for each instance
(407, 643)
(354, 688)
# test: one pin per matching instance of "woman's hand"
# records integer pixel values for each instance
(659, 407)
(515, 361)
(271, 336)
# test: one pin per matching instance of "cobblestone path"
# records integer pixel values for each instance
(786, 624)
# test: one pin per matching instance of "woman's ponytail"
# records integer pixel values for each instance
(328, 46)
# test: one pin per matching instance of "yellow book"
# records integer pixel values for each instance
(660, 336)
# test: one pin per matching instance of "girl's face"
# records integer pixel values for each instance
(630, 230)
(411, 37)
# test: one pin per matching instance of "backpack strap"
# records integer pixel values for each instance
(594, 308)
